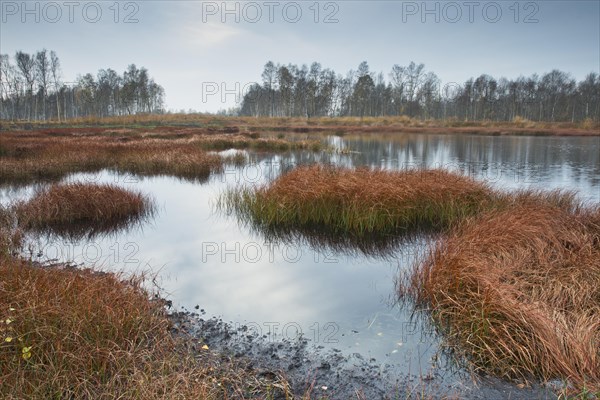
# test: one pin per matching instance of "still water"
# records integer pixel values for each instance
(336, 298)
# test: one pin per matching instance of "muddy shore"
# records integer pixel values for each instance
(330, 374)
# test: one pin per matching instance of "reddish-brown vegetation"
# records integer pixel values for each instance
(517, 292)
(82, 209)
(361, 202)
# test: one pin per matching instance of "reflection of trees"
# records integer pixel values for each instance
(496, 159)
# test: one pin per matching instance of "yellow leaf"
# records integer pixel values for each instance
(26, 352)
(205, 347)
(8, 321)
(8, 339)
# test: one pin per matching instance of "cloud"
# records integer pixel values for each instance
(208, 34)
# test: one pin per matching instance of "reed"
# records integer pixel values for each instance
(79, 333)
(78, 209)
(361, 202)
(11, 237)
(51, 154)
(68, 333)
(55, 158)
(158, 121)
(225, 142)
(172, 126)
(516, 291)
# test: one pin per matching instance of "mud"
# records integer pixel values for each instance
(327, 373)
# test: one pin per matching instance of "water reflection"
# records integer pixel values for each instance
(324, 241)
(504, 161)
(340, 293)
(86, 232)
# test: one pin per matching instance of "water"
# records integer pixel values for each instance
(332, 297)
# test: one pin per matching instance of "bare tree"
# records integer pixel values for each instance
(42, 73)
(56, 76)
(269, 77)
(26, 64)
(412, 91)
(4, 95)
(414, 74)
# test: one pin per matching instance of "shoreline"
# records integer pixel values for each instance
(328, 372)
(206, 124)
(297, 368)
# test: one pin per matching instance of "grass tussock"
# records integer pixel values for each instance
(253, 141)
(81, 334)
(11, 237)
(361, 202)
(51, 159)
(49, 155)
(517, 290)
(68, 333)
(295, 124)
(80, 209)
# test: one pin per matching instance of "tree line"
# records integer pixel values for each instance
(411, 90)
(31, 88)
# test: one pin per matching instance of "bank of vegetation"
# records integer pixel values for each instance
(512, 279)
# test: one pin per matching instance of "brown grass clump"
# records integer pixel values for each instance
(68, 333)
(48, 158)
(181, 162)
(518, 292)
(80, 334)
(79, 209)
(11, 238)
(228, 124)
(51, 154)
(361, 202)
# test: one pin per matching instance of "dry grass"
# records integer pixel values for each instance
(68, 333)
(50, 159)
(254, 142)
(517, 291)
(78, 209)
(51, 154)
(519, 126)
(361, 202)
(11, 237)
(82, 334)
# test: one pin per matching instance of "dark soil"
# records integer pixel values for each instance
(327, 373)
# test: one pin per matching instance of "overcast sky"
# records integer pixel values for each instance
(188, 45)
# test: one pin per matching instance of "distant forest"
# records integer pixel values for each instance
(32, 88)
(292, 91)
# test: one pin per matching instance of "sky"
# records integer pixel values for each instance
(202, 52)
